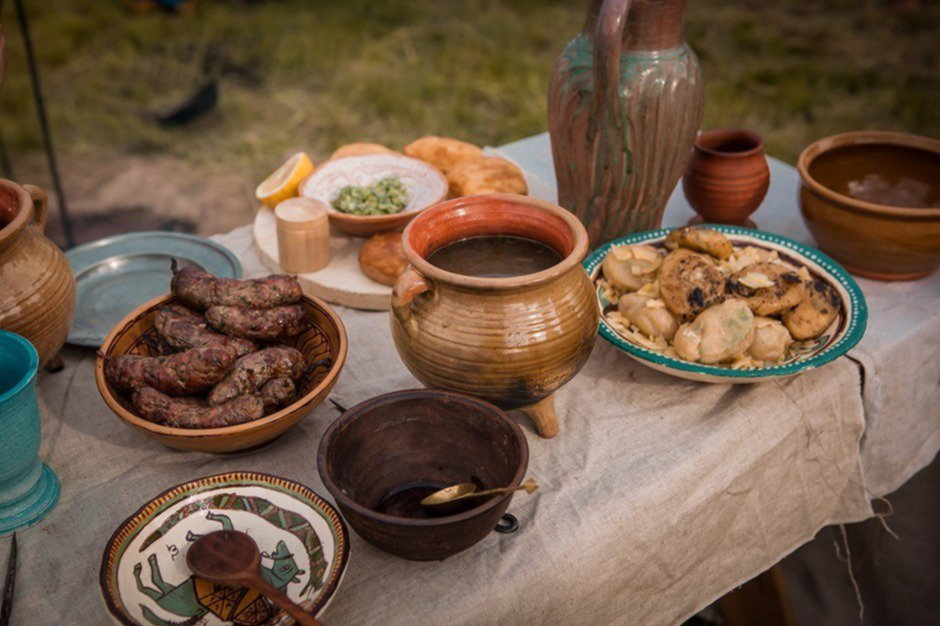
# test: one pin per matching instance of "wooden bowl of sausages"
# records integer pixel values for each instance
(323, 346)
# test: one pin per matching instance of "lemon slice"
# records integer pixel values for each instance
(283, 183)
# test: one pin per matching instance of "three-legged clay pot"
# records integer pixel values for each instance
(513, 341)
(727, 177)
(37, 297)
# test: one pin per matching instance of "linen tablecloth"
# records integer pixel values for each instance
(658, 496)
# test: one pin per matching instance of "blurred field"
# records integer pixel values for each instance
(312, 75)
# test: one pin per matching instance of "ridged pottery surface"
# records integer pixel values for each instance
(37, 299)
(28, 489)
(872, 201)
(625, 101)
(512, 341)
(727, 177)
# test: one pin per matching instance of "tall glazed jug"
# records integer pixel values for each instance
(625, 101)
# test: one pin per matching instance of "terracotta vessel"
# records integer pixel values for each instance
(872, 201)
(449, 438)
(727, 177)
(37, 297)
(512, 341)
(324, 343)
(624, 103)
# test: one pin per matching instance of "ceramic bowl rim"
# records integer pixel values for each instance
(222, 431)
(856, 320)
(23, 216)
(262, 480)
(861, 137)
(342, 162)
(757, 149)
(370, 405)
(436, 274)
(32, 364)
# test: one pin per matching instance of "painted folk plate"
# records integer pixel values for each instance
(303, 541)
(842, 335)
(113, 276)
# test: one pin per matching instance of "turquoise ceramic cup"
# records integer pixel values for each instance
(28, 488)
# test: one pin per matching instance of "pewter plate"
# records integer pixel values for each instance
(116, 274)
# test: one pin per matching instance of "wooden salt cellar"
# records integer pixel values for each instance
(303, 235)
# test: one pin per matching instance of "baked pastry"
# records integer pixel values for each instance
(381, 258)
(359, 149)
(815, 313)
(689, 283)
(701, 240)
(768, 288)
(442, 152)
(717, 335)
(486, 175)
(630, 267)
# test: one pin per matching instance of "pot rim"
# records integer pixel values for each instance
(862, 137)
(740, 132)
(573, 260)
(23, 217)
(344, 501)
(31, 366)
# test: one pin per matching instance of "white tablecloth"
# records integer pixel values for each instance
(658, 496)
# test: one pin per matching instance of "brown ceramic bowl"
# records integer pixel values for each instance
(872, 201)
(382, 456)
(326, 339)
(426, 186)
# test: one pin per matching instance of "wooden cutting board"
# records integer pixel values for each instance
(340, 282)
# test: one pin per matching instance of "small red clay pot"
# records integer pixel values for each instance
(727, 177)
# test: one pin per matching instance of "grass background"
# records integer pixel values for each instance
(313, 75)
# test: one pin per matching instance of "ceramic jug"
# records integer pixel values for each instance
(513, 341)
(28, 489)
(625, 101)
(37, 288)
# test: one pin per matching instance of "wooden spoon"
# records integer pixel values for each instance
(465, 491)
(231, 558)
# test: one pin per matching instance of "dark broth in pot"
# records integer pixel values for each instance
(499, 256)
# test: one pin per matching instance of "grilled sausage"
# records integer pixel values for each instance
(191, 413)
(253, 371)
(259, 324)
(202, 290)
(278, 393)
(180, 374)
(183, 328)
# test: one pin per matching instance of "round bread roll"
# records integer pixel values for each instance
(486, 175)
(381, 258)
(442, 152)
(358, 149)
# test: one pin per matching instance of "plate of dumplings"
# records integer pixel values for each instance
(725, 304)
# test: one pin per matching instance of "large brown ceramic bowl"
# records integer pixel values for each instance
(872, 201)
(381, 457)
(324, 341)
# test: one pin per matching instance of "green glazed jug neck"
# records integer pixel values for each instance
(651, 24)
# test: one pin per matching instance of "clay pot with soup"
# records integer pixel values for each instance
(495, 302)
(37, 297)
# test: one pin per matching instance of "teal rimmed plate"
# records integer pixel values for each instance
(845, 332)
(303, 541)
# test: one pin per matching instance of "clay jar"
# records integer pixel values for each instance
(727, 176)
(37, 298)
(513, 341)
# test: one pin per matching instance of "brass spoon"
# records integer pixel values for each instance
(231, 558)
(465, 491)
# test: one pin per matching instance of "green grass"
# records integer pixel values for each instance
(362, 70)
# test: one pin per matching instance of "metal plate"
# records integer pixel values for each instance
(116, 274)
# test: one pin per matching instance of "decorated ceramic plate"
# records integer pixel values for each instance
(844, 332)
(303, 541)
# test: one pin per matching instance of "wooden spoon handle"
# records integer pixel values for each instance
(280, 598)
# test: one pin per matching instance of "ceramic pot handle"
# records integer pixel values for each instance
(40, 203)
(608, 35)
(410, 285)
